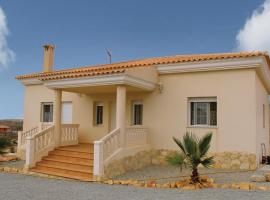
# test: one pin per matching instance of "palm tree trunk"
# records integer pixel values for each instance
(195, 175)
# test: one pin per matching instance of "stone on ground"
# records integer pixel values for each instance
(258, 178)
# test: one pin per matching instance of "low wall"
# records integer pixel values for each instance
(235, 160)
(223, 160)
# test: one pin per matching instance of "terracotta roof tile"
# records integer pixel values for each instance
(120, 67)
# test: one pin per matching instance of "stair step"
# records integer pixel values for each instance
(67, 166)
(63, 173)
(84, 148)
(72, 153)
(69, 159)
(75, 162)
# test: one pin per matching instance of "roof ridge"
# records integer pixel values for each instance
(161, 57)
(119, 67)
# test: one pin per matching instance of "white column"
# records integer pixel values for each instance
(98, 159)
(57, 116)
(121, 112)
(29, 152)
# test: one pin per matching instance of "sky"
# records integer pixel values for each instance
(82, 30)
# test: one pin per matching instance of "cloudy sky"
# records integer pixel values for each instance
(82, 30)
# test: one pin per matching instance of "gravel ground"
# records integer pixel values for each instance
(220, 176)
(16, 186)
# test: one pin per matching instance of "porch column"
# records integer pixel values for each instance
(121, 112)
(57, 116)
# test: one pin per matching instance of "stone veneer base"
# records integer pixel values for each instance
(223, 160)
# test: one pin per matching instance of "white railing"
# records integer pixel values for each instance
(69, 134)
(110, 145)
(22, 135)
(136, 136)
(45, 125)
(104, 148)
(39, 145)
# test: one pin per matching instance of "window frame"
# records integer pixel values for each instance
(134, 103)
(96, 118)
(202, 100)
(42, 111)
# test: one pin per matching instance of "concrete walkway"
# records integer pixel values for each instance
(16, 186)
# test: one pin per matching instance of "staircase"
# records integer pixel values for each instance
(75, 162)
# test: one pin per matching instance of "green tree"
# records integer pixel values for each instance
(4, 144)
(193, 153)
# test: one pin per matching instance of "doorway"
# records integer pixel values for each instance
(112, 116)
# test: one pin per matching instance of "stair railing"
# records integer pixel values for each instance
(22, 135)
(104, 148)
(69, 134)
(38, 145)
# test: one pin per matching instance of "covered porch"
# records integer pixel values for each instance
(117, 131)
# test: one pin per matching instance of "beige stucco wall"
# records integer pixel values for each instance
(239, 96)
(149, 74)
(166, 113)
(262, 119)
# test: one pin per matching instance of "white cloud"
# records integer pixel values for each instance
(255, 35)
(6, 55)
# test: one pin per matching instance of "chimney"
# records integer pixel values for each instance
(48, 57)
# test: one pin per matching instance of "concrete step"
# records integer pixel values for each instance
(75, 162)
(67, 166)
(84, 148)
(77, 154)
(63, 173)
(70, 159)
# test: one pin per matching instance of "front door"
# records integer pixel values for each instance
(112, 121)
(66, 112)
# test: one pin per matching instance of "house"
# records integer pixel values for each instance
(77, 122)
(4, 129)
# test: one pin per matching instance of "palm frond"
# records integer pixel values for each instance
(207, 162)
(204, 144)
(176, 160)
(180, 144)
(190, 144)
(194, 152)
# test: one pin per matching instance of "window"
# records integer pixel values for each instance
(137, 114)
(46, 112)
(99, 114)
(203, 111)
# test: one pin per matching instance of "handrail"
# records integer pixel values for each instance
(69, 134)
(109, 135)
(110, 145)
(38, 145)
(22, 135)
(105, 147)
(136, 136)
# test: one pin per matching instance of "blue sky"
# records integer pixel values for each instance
(82, 30)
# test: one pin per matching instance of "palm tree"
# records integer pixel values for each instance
(4, 144)
(193, 152)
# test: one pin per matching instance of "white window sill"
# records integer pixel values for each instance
(203, 126)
